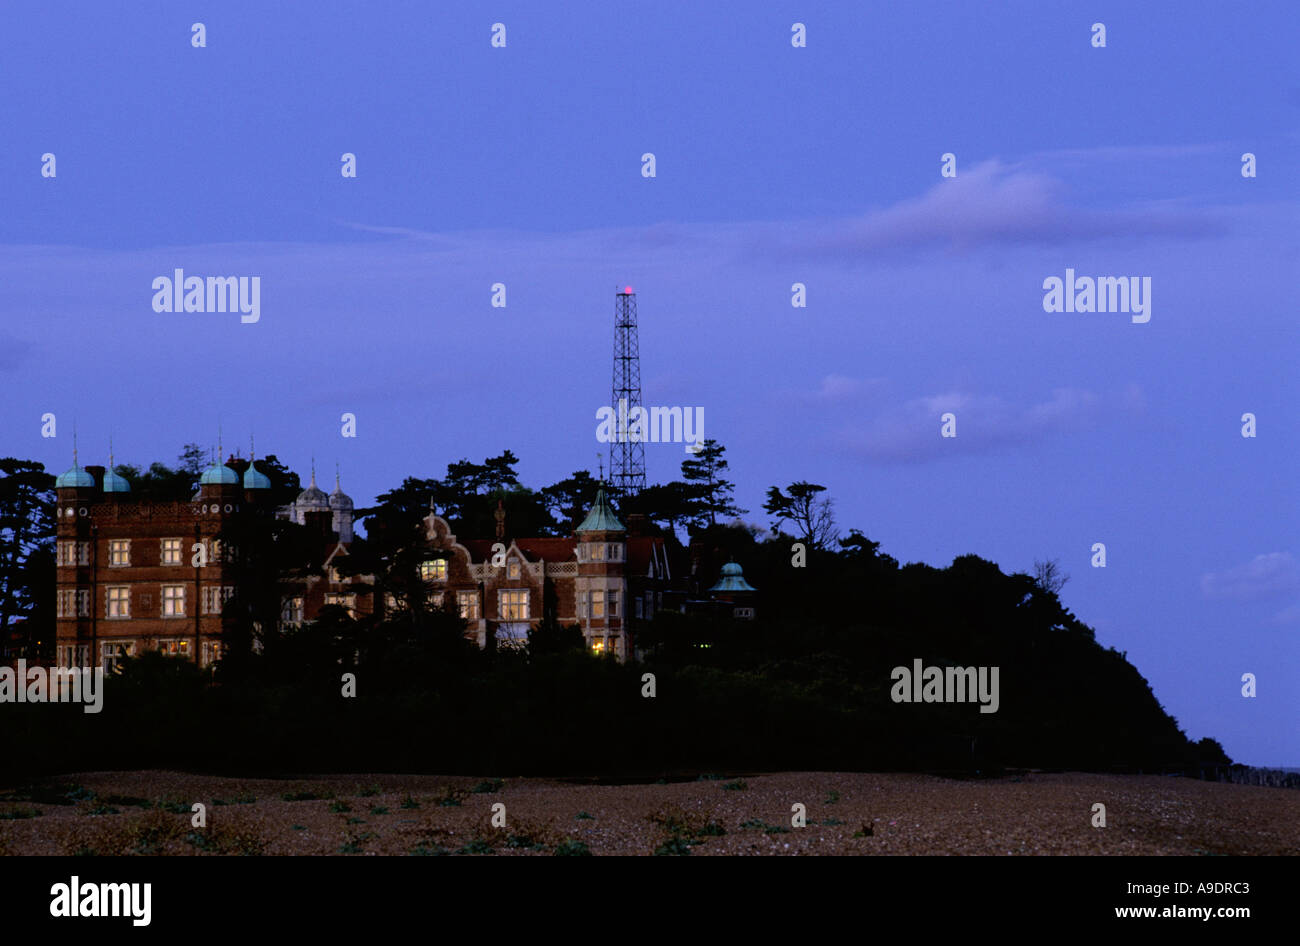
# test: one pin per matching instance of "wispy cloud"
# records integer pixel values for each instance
(1264, 576)
(910, 432)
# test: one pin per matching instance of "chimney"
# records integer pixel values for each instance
(500, 516)
(636, 523)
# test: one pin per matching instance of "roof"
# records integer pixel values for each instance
(114, 483)
(255, 479)
(75, 477)
(601, 518)
(733, 579)
(219, 474)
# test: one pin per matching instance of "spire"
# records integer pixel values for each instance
(221, 453)
(110, 451)
(252, 453)
(313, 471)
(75, 464)
(601, 518)
(337, 487)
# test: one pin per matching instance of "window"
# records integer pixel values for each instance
(435, 600)
(174, 648)
(173, 601)
(613, 604)
(467, 602)
(614, 552)
(67, 552)
(513, 605)
(118, 601)
(598, 645)
(435, 569)
(582, 604)
(390, 601)
(215, 598)
(214, 551)
(334, 575)
(170, 552)
(211, 652)
(291, 611)
(83, 553)
(636, 606)
(83, 603)
(598, 604)
(65, 603)
(512, 568)
(119, 553)
(597, 552)
(343, 601)
(83, 655)
(111, 654)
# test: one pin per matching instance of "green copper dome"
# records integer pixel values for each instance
(219, 475)
(115, 484)
(733, 579)
(254, 479)
(601, 518)
(74, 478)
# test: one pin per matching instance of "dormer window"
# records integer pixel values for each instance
(512, 568)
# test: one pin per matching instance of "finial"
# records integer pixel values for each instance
(336, 476)
(313, 470)
(110, 452)
(221, 453)
(600, 465)
(75, 464)
(252, 455)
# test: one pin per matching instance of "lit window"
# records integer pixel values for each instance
(211, 652)
(119, 552)
(175, 648)
(111, 655)
(334, 575)
(67, 552)
(512, 568)
(173, 601)
(598, 604)
(513, 605)
(435, 600)
(170, 553)
(467, 602)
(435, 569)
(291, 611)
(598, 645)
(597, 552)
(214, 551)
(118, 599)
(342, 600)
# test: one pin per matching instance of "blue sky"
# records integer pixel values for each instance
(775, 165)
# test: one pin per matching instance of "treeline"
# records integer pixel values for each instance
(806, 685)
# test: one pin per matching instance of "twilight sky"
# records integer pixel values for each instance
(775, 165)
